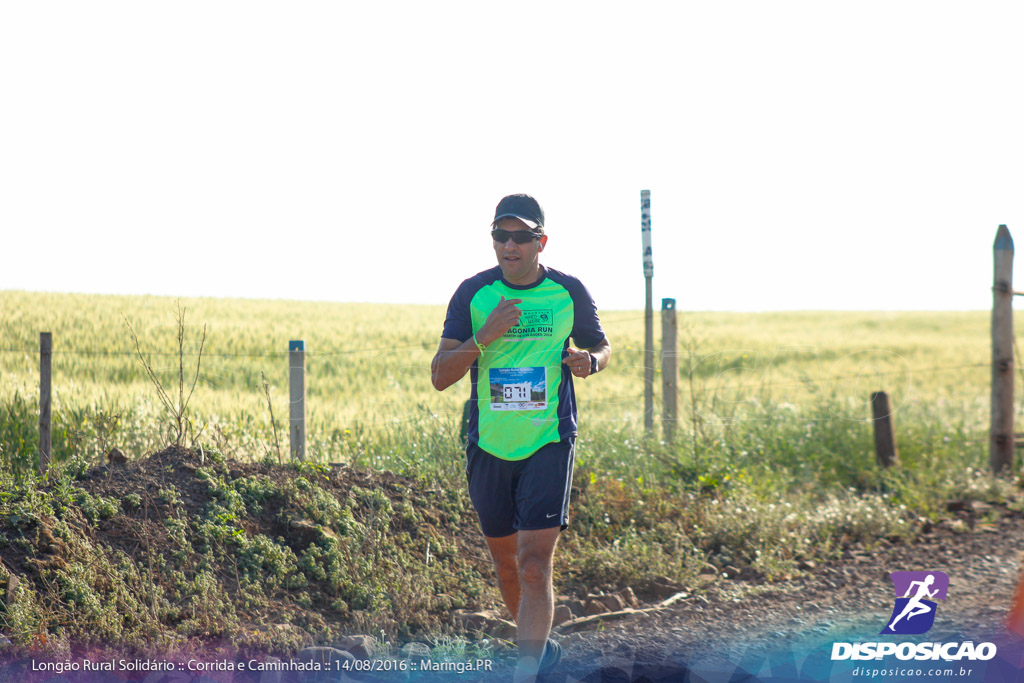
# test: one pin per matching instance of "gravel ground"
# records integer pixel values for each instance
(772, 630)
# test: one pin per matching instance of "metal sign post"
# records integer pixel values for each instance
(297, 392)
(645, 234)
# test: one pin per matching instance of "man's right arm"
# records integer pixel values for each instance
(452, 361)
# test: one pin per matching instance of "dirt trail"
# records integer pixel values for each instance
(737, 625)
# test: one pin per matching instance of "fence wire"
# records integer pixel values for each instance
(808, 379)
(206, 354)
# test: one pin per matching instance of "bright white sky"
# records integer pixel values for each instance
(800, 155)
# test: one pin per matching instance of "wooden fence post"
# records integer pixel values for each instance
(886, 453)
(45, 376)
(669, 369)
(1001, 447)
(645, 234)
(297, 390)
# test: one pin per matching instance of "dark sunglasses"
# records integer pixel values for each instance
(519, 236)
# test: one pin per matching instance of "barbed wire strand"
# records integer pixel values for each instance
(808, 379)
(266, 354)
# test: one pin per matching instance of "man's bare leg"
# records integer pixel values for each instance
(505, 553)
(537, 601)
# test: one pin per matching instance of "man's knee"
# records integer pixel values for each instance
(535, 570)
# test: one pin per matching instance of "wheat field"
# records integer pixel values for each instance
(368, 391)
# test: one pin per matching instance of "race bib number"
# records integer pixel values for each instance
(518, 388)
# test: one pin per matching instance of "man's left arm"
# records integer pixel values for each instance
(584, 362)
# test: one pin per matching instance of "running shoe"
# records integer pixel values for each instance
(552, 655)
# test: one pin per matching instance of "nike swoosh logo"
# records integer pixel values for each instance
(550, 516)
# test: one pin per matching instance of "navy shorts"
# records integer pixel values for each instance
(510, 495)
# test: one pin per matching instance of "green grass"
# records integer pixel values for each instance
(786, 393)
(368, 365)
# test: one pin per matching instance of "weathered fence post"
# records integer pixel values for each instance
(886, 453)
(297, 390)
(45, 376)
(1001, 453)
(645, 234)
(669, 369)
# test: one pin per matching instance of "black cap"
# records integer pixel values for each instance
(521, 206)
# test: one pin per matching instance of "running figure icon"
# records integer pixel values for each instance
(914, 606)
(916, 594)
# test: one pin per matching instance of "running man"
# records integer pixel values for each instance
(509, 327)
(914, 606)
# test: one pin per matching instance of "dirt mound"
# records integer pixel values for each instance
(187, 545)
